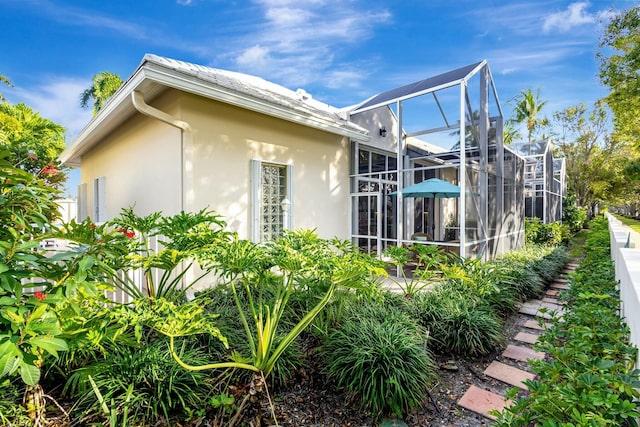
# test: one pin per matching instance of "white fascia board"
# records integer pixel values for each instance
(199, 87)
(151, 72)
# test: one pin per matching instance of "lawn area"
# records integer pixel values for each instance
(633, 223)
(576, 245)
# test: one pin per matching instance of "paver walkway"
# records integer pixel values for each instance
(481, 400)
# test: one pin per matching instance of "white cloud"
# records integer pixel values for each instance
(185, 2)
(255, 56)
(575, 16)
(302, 42)
(57, 99)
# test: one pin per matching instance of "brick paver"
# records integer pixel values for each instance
(508, 374)
(559, 286)
(526, 337)
(552, 292)
(482, 401)
(533, 324)
(522, 354)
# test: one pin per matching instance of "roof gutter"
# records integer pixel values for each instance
(186, 136)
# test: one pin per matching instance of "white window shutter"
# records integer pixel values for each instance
(290, 193)
(99, 199)
(254, 184)
(81, 212)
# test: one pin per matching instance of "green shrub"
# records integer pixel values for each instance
(553, 234)
(589, 379)
(459, 323)
(490, 281)
(572, 215)
(11, 413)
(379, 356)
(526, 282)
(146, 382)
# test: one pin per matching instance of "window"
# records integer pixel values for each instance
(99, 200)
(271, 185)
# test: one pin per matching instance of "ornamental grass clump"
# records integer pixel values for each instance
(143, 382)
(459, 323)
(379, 356)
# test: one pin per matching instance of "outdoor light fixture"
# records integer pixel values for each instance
(285, 204)
(383, 131)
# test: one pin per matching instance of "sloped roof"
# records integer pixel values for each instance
(417, 88)
(253, 86)
(156, 73)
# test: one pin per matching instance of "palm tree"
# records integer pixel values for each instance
(6, 81)
(510, 133)
(527, 109)
(105, 84)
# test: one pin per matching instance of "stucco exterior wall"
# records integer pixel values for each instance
(227, 138)
(140, 163)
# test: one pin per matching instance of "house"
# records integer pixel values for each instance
(544, 180)
(179, 136)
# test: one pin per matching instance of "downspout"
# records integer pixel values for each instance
(186, 136)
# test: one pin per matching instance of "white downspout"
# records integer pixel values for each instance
(186, 137)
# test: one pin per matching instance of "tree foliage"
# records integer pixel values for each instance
(6, 81)
(595, 162)
(619, 67)
(104, 85)
(34, 143)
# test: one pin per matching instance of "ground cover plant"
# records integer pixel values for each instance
(589, 379)
(380, 356)
(298, 310)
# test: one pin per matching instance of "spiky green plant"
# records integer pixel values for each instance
(379, 356)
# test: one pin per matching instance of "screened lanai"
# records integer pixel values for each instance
(544, 181)
(416, 135)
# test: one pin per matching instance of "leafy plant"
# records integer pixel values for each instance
(589, 379)
(184, 241)
(299, 260)
(379, 356)
(428, 259)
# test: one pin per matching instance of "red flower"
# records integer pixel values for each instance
(50, 170)
(92, 226)
(39, 295)
(128, 233)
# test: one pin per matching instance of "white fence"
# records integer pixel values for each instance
(625, 253)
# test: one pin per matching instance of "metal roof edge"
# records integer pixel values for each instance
(193, 84)
(151, 70)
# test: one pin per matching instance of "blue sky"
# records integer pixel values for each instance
(341, 52)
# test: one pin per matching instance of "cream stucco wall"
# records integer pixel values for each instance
(140, 163)
(227, 138)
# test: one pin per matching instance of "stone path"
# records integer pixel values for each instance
(511, 369)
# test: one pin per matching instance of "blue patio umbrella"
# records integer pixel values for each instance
(433, 188)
